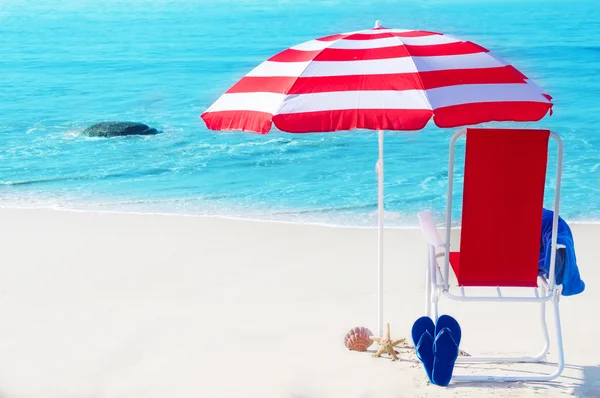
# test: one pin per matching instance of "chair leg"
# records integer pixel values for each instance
(535, 377)
(542, 356)
(433, 288)
(435, 295)
(428, 284)
(559, 338)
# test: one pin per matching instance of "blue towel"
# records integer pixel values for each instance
(566, 271)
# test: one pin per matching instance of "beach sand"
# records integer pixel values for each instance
(127, 305)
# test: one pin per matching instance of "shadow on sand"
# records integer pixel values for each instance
(590, 386)
(587, 385)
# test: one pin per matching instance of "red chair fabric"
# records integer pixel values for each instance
(504, 178)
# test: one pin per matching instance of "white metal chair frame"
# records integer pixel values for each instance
(438, 283)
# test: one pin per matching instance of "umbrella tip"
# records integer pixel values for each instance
(378, 24)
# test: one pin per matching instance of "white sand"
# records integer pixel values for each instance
(116, 305)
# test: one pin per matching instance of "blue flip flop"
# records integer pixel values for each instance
(422, 336)
(446, 321)
(445, 349)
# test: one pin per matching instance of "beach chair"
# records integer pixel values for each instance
(504, 181)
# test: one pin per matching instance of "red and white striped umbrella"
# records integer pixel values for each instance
(378, 79)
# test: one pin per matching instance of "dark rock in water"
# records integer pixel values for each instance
(117, 129)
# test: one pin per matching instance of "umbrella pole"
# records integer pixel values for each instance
(379, 169)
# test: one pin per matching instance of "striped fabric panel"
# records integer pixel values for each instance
(338, 100)
(381, 81)
(348, 119)
(392, 81)
(434, 98)
(378, 79)
(404, 64)
(398, 50)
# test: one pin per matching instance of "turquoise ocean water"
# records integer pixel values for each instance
(65, 64)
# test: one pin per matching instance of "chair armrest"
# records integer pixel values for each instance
(429, 229)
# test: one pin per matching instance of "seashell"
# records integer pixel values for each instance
(357, 339)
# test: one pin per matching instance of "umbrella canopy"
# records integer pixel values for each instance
(379, 79)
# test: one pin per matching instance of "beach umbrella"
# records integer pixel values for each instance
(378, 79)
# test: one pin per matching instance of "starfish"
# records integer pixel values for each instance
(386, 344)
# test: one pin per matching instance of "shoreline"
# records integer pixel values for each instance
(242, 218)
(215, 216)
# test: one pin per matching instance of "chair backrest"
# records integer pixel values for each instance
(503, 197)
